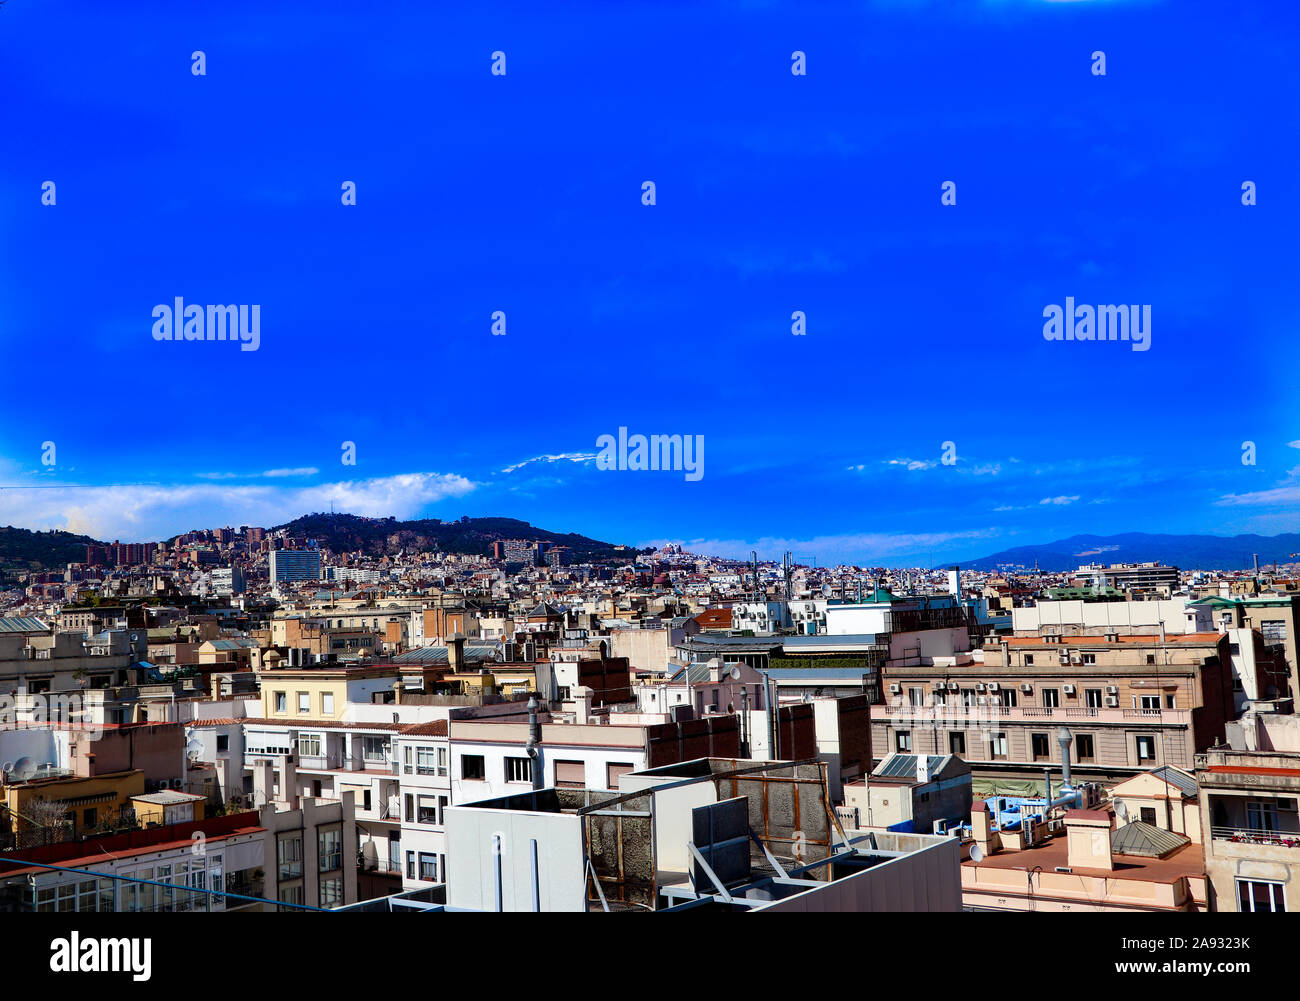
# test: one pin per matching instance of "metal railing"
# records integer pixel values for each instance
(1256, 836)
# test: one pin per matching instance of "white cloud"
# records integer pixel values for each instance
(1061, 500)
(563, 456)
(850, 548)
(912, 464)
(138, 513)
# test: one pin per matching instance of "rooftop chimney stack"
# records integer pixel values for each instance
(456, 653)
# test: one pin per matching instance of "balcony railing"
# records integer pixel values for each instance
(1256, 836)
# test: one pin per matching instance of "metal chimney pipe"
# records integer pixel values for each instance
(1065, 740)
(534, 742)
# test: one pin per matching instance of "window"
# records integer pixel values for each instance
(916, 696)
(562, 693)
(292, 894)
(1261, 815)
(1051, 698)
(424, 761)
(1039, 746)
(327, 703)
(427, 810)
(1255, 895)
(519, 770)
(1092, 698)
(1029, 660)
(570, 775)
(1010, 697)
(410, 865)
(442, 761)
(223, 742)
(1273, 630)
(331, 892)
(1151, 658)
(1150, 703)
(428, 866)
(472, 768)
(1146, 748)
(957, 742)
(410, 808)
(998, 745)
(903, 740)
(1083, 746)
(304, 702)
(613, 770)
(1147, 815)
(281, 702)
(1170, 701)
(289, 856)
(375, 748)
(89, 818)
(968, 696)
(330, 844)
(1090, 658)
(309, 745)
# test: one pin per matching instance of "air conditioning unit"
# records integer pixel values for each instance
(896, 689)
(1112, 702)
(954, 687)
(1112, 689)
(1076, 657)
(979, 686)
(1026, 688)
(993, 686)
(1069, 689)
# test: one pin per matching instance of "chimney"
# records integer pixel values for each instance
(923, 768)
(1087, 835)
(534, 746)
(979, 826)
(456, 653)
(582, 696)
(399, 687)
(1065, 740)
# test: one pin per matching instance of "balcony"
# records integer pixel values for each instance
(1256, 836)
(973, 715)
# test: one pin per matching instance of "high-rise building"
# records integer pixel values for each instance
(294, 565)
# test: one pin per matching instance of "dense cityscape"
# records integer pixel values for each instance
(346, 730)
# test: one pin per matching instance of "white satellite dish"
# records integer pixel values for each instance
(24, 768)
(735, 672)
(1121, 809)
(976, 853)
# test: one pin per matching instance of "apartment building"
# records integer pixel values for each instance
(1248, 813)
(490, 757)
(1275, 616)
(1127, 703)
(418, 849)
(293, 565)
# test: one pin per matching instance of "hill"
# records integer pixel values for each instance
(468, 536)
(22, 550)
(1188, 552)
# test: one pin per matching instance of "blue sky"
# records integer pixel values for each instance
(775, 193)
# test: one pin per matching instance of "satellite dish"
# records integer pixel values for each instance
(24, 768)
(1121, 809)
(976, 853)
(735, 672)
